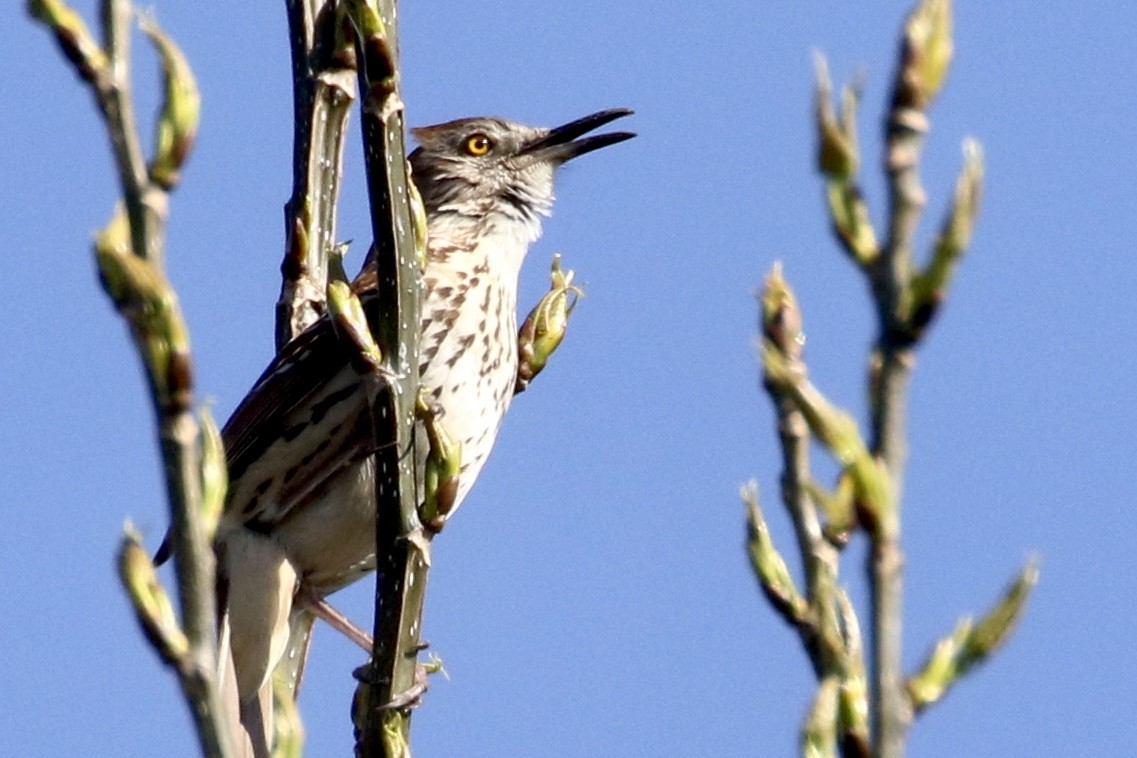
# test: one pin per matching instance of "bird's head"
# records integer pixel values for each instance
(475, 166)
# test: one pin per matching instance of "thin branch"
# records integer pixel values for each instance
(323, 90)
(129, 256)
(148, 304)
(782, 329)
(392, 685)
(825, 621)
(924, 56)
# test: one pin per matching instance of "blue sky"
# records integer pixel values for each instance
(592, 597)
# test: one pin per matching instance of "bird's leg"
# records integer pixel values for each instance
(408, 698)
(321, 609)
(443, 464)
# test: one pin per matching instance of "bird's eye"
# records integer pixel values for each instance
(478, 145)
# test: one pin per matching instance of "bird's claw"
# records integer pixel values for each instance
(409, 698)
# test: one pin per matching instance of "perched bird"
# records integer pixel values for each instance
(300, 515)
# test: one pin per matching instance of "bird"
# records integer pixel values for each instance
(299, 520)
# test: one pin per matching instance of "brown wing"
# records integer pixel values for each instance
(294, 375)
(298, 371)
(275, 402)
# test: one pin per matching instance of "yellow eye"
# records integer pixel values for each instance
(478, 145)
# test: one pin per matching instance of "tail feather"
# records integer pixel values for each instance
(260, 584)
(230, 701)
(292, 663)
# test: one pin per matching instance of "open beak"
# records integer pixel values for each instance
(561, 144)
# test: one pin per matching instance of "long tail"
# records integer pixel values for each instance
(257, 622)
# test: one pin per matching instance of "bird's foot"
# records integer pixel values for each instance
(411, 697)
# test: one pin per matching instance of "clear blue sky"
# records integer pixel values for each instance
(592, 597)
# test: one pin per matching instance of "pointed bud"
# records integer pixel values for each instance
(781, 316)
(971, 643)
(366, 18)
(418, 218)
(839, 432)
(181, 108)
(996, 626)
(849, 661)
(768, 565)
(929, 287)
(296, 251)
(73, 38)
(838, 156)
(850, 633)
(348, 318)
(214, 474)
(839, 508)
(143, 296)
(114, 238)
(819, 733)
(941, 668)
(152, 605)
(378, 58)
(830, 609)
(838, 159)
(960, 222)
(443, 466)
(288, 727)
(853, 709)
(544, 328)
(849, 216)
(924, 56)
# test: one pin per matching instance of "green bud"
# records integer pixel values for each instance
(996, 626)
(960, 223)
(853, 710)
(925, 54)
(347, 315)
(838, 506)
(366, 18)
(929, 287)
(73, 37)
(838, 159)
(145, 298)
(819, 733)
(971, 643)
(151, 604)
(418, 218)
(849, 216)
(838, 156)
(114, 238)
(433, 665)
(288, 737)
(181, 108)
(544, 328)
(214, 473)
(941, 668)
(781, 316)
(838, 431)
(768, 565)
(443, 465)
(378, 57)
